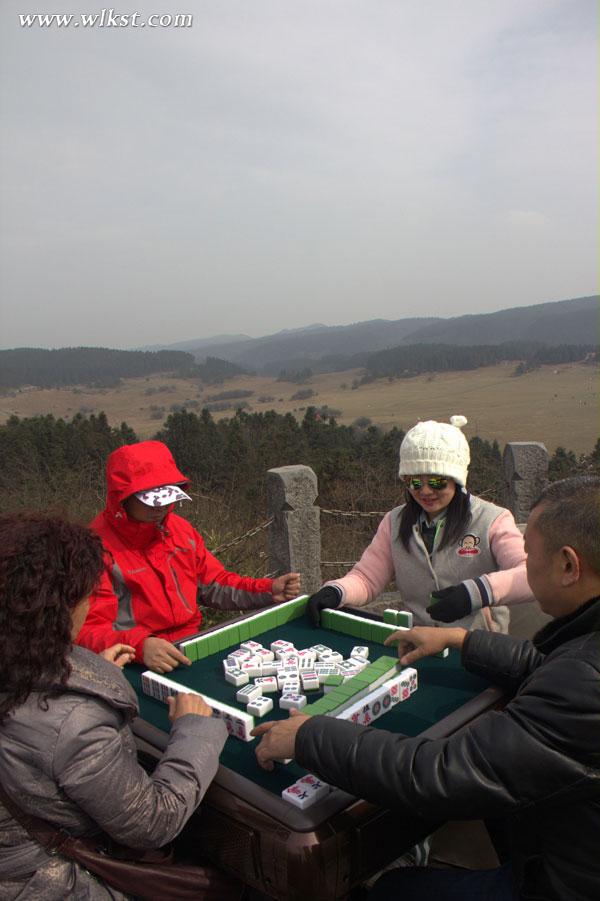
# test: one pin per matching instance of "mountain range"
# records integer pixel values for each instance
(331, 348)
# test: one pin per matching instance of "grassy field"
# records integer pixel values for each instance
(555, 405)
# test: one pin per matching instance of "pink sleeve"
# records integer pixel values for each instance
(368, 578)
(509, 585)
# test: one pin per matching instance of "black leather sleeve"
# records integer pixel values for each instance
(503, 659)
(543, 745)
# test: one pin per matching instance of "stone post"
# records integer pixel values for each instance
(526, 474)
(294, 538)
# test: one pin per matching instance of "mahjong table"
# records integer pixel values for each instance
(324, 852)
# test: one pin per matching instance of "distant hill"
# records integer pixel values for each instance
(569, 324)
(317, 344)
(563, 322)
(196, 344)
(335, 348)
(98, 366)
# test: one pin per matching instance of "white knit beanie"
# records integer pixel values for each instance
(436, 448)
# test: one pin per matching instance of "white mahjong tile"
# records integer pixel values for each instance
(267, 683)
(269, 668)
(265, 655)
(320, 649)
(348, 666)
(229, 666)
(279, 642)
(290, 660)
(236, 657)
(325, 670)
(315, 786)
(248, 693)
(404, 687)
(360, 650)
(360, 662)
(251, 646)
(331, 658)
(236, 677)
(260, 706)
(253, 666)
(281, 645)
(310, 680)
(299, 796)
(289, 700)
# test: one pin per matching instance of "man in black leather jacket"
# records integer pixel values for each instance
(535, 763)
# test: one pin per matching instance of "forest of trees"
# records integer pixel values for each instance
(97, 366)
(56, 465)
(413, 359)
(104, 368)
(101, 367)
(357, 467)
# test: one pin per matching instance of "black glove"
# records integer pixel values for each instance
(450, 604)
(324, 597)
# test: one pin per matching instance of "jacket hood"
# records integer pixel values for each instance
(138, 467)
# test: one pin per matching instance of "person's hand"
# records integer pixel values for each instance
(424, 641)
(450, 604)
(119, 654)
(324, 597)
(286, 587)
(278, 741)
(184, 703)
(162, 656)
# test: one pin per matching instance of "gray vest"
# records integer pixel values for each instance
(418, 573)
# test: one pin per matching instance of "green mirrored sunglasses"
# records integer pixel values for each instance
(436, 483)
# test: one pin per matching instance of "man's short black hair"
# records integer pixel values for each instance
(571, 516)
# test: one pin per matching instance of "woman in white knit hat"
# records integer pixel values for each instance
(455, 558)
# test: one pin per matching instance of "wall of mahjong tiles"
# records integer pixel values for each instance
(443, 687)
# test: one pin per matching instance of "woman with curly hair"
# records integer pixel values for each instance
(67, 753)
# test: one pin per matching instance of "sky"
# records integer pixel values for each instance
(286, 162)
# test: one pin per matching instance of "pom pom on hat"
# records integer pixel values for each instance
(436, 448)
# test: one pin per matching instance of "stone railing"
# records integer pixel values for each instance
(294, 537)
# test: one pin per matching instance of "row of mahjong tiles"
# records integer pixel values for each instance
(363, 708)
(347, 689)
(363, 628)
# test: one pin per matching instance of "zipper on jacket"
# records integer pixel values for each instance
(182, 597)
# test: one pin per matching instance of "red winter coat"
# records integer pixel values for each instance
(155, 575)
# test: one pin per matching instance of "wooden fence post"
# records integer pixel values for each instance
(526, 474)
(294, 538)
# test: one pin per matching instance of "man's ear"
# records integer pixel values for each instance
(570, 566)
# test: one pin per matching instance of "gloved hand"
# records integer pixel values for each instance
(324, 597)
(449, 604)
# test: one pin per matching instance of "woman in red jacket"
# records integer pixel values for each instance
(156, 564)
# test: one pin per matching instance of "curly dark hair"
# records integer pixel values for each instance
(47, 565)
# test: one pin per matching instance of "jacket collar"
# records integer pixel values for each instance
(137, 535)
(582, 621)
(92, 675)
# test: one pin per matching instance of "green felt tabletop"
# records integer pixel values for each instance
(444, 686)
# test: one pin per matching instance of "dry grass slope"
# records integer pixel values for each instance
(556, 405)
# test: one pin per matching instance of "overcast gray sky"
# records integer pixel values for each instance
(283, 162)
